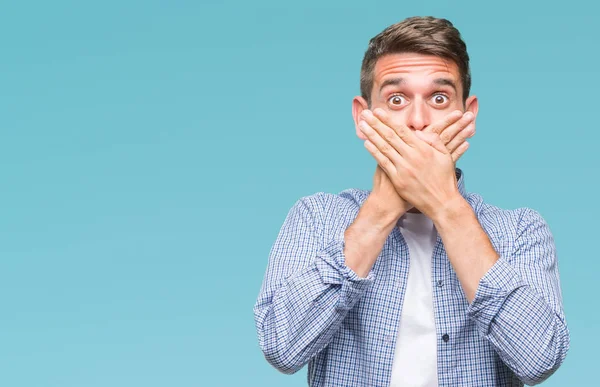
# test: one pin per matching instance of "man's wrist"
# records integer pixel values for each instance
(367, 234)
(379, 216)
(451, 213)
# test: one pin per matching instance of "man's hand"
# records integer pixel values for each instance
(384, 206)
(419, 165)
(453, 130)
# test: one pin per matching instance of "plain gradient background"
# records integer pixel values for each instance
(150, 151)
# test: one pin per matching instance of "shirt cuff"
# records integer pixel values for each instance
(494, 287)
(331, 264)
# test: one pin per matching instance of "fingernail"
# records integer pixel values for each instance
(468, 116)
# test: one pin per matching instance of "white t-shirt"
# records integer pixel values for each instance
(415, 356)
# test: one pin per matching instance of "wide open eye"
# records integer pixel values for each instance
(439, 99)
(396, 100)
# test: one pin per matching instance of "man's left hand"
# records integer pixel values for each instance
(417, 163)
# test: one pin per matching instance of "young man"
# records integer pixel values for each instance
(416, 282)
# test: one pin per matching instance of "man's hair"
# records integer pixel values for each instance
(420, 35)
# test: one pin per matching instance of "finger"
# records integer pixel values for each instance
(451, 131)
(432, 139)
(388, 133)
(457, 154)
(382, 145)
(461, 137)
(381, 117)
(385, 163)
(445, 122)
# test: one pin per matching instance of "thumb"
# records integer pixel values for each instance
(432, 139)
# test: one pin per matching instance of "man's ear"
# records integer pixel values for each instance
(358, 105)
(472, 105)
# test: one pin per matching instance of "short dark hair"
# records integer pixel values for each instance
(421, 35)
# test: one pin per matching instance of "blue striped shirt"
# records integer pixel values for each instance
(313, 309)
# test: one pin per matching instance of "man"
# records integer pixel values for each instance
(416, 282)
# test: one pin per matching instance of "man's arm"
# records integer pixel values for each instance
(469, 249)
(515, 300)
(307, 290)
(375, 221)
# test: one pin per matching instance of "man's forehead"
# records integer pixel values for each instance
(405, 64)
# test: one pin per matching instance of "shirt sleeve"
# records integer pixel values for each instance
(307, 289)
(518, 304)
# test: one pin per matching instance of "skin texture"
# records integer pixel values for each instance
(416, 135)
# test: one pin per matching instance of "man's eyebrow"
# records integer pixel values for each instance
(437, 81)
(445, 82)
(391, 82)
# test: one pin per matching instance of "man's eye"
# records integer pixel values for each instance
(439, 99)
(396, 100)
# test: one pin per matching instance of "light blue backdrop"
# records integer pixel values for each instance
(150, 151)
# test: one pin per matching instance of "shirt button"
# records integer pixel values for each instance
(445, 337)
(440, 283)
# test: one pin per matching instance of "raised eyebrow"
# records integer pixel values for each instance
(391, 82)
(445, 82)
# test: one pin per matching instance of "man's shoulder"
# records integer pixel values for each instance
(342, 207)
(333, 212)
(349, 195)
(503, 222)
(348, 200)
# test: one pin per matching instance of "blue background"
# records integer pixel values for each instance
(150, 151)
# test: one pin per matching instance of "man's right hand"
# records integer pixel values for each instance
(365, 237)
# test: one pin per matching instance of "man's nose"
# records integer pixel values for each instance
(418, 117)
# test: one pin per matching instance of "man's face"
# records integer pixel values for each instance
(415, 90)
